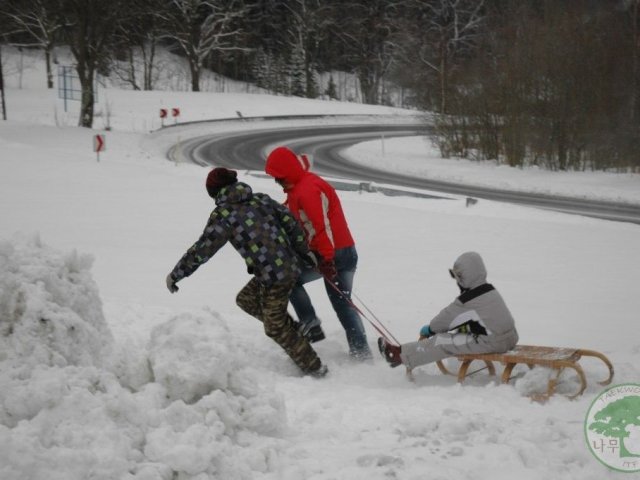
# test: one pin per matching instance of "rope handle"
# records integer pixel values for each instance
(380, 328)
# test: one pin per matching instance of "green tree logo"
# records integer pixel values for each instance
(612, 427)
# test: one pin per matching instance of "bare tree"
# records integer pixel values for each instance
(447, 30)
(312, 22)
(201, 27)
(633, 9)
(2, 100)
(367, 29)
(89, 30)
(3, 28)
(550, 85)
(36, 19)
(137, 39)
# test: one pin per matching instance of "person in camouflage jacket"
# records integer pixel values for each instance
(273, 247)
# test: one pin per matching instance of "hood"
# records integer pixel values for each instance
(469, 270)
(283, 163)
(234, 193)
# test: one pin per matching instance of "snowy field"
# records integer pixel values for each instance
(417, 156)
(105, 375)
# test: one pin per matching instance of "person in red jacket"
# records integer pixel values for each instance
(317, 207)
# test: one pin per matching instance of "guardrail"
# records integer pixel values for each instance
(420, 118)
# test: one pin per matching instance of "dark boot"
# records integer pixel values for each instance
(391, 353)
(312, 330)
(318, 373)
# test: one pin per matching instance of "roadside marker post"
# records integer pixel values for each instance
(163, 114)
(99, 145)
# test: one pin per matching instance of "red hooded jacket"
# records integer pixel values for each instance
(312, 201)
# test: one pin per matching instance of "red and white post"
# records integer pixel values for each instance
(163, 114)
(99, 145)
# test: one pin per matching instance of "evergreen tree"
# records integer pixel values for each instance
(260, 69)
(331, 91)
(312, 82)
(279, 75)
(298, 74)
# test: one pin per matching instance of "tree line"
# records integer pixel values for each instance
(554, 83)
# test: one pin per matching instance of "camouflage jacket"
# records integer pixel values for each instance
(263, 232)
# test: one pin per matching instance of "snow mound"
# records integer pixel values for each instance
(194, 354)
(536, 382)
(68, 410)
(50, 308)
(191, 355)
(92, 427)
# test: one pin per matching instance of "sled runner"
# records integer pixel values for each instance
(551, 357)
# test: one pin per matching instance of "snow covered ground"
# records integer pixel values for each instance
(417, 156)
(105, 375)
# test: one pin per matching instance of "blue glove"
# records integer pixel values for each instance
(425, 332)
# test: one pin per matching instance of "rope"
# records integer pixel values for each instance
(380, 328)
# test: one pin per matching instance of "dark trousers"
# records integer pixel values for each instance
(269, 305)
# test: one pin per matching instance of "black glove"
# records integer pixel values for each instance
(171, 284)
(328, 269)
(310, 259)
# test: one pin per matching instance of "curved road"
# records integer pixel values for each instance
(246, 150)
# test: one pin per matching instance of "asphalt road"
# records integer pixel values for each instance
(247, 150)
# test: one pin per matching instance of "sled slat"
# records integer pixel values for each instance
(556, 358)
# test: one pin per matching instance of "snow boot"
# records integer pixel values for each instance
(315, 334)
(312, 330)
(391, 353)
(319, 373)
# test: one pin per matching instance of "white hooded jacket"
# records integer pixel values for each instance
(480, 303)
(478, 321)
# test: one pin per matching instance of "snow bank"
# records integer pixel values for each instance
(67, 409)
(418, 157)
(50, 309)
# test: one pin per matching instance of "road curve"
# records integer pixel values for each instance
(247, 150)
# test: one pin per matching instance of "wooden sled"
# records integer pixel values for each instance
(551, 357)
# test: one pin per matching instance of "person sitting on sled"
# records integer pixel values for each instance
(478, 321)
